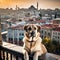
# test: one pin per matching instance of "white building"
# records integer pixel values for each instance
(50, 30)
(45, 31)
(56, 21)
(56, 34)
(15, 33)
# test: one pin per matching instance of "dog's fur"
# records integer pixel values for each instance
(33, 30)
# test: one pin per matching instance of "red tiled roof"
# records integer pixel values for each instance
(49, 26)
(20, 27)
(40, 21)
(51, 21)
(57, 29)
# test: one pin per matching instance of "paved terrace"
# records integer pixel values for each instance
(10, 51)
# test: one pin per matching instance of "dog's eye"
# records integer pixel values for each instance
(35, 28)
(29, 28)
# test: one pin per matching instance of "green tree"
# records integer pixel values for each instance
(46, 40)
(49, 45)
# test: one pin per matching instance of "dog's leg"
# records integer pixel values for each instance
(26, 57)
(35, 57)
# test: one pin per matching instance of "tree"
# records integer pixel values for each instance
(54, 42)
(46, 40)
(48, 43)
(53, 46)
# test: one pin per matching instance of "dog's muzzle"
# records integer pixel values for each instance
(32, 34)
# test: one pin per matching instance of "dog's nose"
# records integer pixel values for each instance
(32, 33)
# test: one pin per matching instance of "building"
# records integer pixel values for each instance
(56, 21)
(41, 22)
(15, 33)
(56, 34)
(46, 31)
(50, 30)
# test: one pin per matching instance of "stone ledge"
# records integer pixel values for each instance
(20, 49)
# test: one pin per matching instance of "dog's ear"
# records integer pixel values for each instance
(25, 27)
(39, 27)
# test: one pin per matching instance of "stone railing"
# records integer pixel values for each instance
(10, 51)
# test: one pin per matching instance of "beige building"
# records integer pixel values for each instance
(56, 34)
(50, 30)
(56, 21)
(45, 31)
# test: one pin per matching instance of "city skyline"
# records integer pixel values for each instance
(44, 4)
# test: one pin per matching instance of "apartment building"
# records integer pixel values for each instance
(56, 34)
(15, 33)
(46, 31)
(50, 30)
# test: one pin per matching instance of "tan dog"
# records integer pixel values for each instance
(32, 42)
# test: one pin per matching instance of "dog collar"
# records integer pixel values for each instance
(30, 41)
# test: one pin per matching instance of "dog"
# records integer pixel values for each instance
(33, 42)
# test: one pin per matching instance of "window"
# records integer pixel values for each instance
(15, 38)
(45, 32)
(49, 34)
(42, 31)
(22, 34)
(58, 37)
(58, 33)
(42, 36)
(53, 32)
(19, 33)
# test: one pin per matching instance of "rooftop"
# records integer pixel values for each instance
(57, 19)
(19, 27)
(57, 29)
(49, 26)
(40, 21)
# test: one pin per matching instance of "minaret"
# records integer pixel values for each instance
(16, 7)
(37, 5)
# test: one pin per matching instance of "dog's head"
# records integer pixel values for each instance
(32, 30)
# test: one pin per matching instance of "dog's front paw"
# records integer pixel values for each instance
(26, 57)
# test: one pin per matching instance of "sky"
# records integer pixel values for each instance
(44, 4)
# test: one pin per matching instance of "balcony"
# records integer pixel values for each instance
(10, 51)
